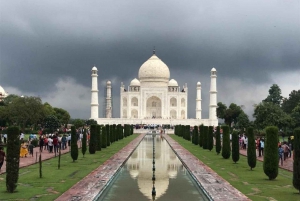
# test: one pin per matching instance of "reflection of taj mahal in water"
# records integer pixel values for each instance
(154, 98)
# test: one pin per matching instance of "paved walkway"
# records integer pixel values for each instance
(30, 160)
(287, 164)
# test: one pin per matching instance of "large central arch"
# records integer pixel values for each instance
(153, 107)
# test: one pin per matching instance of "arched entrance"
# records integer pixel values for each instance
(153, 107)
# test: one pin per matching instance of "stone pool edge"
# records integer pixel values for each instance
(89, 187)
(214, 185)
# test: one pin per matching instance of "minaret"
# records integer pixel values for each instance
(198, 101)
(108, 100)
(94, 99)
(213, 95)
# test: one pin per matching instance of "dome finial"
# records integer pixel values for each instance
(154, 50)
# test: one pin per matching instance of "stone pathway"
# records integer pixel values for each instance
(287, 164)
(215, 186)
(29, 160)
(94, 183)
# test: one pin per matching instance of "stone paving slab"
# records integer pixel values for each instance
(90, 186)
(215, 186)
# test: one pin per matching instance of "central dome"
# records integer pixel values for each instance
(154, 70)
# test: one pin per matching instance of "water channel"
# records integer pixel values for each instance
(134, 180)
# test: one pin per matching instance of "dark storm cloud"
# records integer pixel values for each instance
(43, 43)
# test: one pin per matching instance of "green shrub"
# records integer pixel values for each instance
(226, 152)
(93, 139)
(103, 137)
(218, 140)
(99, 137)
(83, 149)
(107, 135)
(210, 139)
(271, 152)
(115, 132)
(201, 135)
(235, 147)
(251, 150)
(111, 134)
(188, 132)
(205, 136)
(12, 159)
(196, 135)
(74, 145)
(296, 172)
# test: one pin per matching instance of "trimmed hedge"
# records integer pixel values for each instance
(296, 172)
(103, 137)
(218, 140)
(226, 152)
(107, 135)
(99, 137)
(12, 158)
(204, 132)
(201, 135)
(74, 146)
(93, 139)
(271, 153)
(235, 147)
(210, 140)
(83, 149)
(251, 150)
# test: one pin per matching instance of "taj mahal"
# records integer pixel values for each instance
(154, 98)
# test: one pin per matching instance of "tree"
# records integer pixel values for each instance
(210, 139)
(201, 135)
(63, 116)
(78, 123)
(48, 109)
(270, 114)
(296, 116)
(251, 150)
(90, 122)
(12, 159)
(103, 137)
(205, 137)
(274, 95)
(99, 137)
(83, 149)
(296, 168)
(270, 164)
(218, 140)
(235, 147)
(196, 135)
(228, 114)
(108, 134)
(243, 121)
(10, 98)
(74, 146)
(51, 122)
(226, 152)
(288, 104)
(93, 139)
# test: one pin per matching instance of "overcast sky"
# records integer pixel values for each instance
(47, 48)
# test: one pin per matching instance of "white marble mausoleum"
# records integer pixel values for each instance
(154, 98)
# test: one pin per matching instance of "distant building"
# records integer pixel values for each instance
(3, 94)
(154, 98)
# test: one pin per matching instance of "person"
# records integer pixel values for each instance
(41, 142)
(23, 150)
(259, 147)
(46, 143)
(22, 136)
(55, 144)
(5, 138)
(50, 144)
(285, 148)
(30, 148)
(262, 146)
(280, 154)
(64, 142)
(2, 157)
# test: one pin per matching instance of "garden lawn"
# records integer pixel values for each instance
(254, 184)
(54, 181)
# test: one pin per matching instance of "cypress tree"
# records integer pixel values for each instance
(83, 149)
(103, 137)
(93, 139)
(99, 138)
(74, 146)
(12, 159)
(196, 135)
(111, 134)
(226, 152)
(201, 135)
(251, 150)
(296, 172)
(235, 147)
(271, 152)
(131, 130)
(218, 140)
(115, 132)
(205, 136)
(210, 139)
(107, 136)
(188, 132)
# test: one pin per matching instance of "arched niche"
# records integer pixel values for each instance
(153, 107)
(173, 114)
(134, 102)
(182, 102)
(173, 102)
(124, 102)
(134, 114)
(124, 114)
(182, 114)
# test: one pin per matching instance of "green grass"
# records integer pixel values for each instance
(54, 181)
(254, 184)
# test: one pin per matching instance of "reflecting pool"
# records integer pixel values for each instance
(134, 181)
